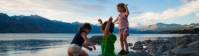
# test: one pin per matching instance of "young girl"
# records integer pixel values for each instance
(80, 40)
(109, 38)
(123, 26)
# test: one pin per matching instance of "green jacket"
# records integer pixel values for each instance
(107, 45)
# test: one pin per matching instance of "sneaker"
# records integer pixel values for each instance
(122, 52)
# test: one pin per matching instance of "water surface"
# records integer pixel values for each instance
(57, 44)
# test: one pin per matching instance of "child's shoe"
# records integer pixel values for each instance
(126, 52)
(122, 52)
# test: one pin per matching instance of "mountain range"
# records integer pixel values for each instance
(38, 24)
(171, 28)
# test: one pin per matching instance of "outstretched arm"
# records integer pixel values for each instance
(115, 21)
(84, 36)
(106, 31)
(101, 23)
(127, 11)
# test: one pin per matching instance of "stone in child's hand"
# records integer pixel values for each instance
(90, 49)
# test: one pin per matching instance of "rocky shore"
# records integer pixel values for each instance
(187, 45)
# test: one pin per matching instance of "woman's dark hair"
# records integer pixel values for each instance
(111, 26)
(86, 26)
(121, 5)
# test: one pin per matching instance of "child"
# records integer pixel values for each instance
(80, 40)
(109, 38)
(123, 26)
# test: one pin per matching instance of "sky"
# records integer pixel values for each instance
(142, 12)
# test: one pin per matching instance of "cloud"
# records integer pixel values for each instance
(187, 1)
(87, 11)
(24, 7)
(186, 9)
(63, 10)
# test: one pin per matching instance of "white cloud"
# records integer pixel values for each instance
(186, 9)
(62, 10)
(27, 7)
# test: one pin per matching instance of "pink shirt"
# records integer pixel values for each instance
(123, 21)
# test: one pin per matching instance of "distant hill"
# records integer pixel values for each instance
(35, 24)
(193, 31)
(38, 24)
(171, 28)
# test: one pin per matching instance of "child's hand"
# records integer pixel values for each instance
(126, 5)
(110, 19)
(94, 47)
(100, 21)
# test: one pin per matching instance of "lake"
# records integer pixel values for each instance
(41, 44)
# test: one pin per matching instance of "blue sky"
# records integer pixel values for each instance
(142, 12)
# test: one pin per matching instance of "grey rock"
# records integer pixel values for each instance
(187, 45)
(194, 44)
(185, 51)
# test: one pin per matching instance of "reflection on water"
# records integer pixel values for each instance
(54, 44)
(27, 45)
